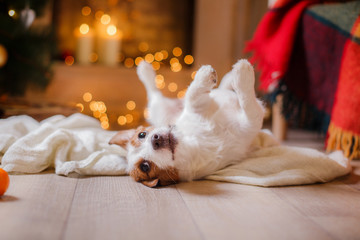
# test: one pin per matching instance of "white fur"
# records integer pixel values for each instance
(213, 127)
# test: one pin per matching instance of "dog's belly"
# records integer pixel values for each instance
(215, 142)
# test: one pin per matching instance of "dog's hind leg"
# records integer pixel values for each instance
(226, 81)
(251, 111)
(197, 98)
(162, 110)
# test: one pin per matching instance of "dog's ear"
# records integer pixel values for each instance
(121, 138)
(151, 183)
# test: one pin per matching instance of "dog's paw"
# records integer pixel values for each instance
(244, 79)
(146, 73)
(206, 76)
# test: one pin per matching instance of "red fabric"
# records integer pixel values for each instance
(273, 40)
(346, 110)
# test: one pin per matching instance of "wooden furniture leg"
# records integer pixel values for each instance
(279, 126)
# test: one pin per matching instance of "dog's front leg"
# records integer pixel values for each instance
(197, 98)
(162, 110)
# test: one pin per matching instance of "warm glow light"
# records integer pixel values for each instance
(121, 120)
(188, 59)
(80, 106)
(156, 65)
(165, 54)
(131, 105)
(99, 14)
(159, 56)
(101, 107)
(84, 28)
(138, 60)
(105, 125)
(69, 60)
(86, 11)
(172, 87)
(93, 106)
(174, 60)
(181, 94)
(176, 67)
(93, 57)
(111, 30)
(87, 97)
(159, 78)
(160, 81)
(105, 19)
(160, 85)
(129, 62)
(177, 52)
(11, 12)
(104, 118)
(146, 113)
(97, 114)
(143, 46)
(129, 118)
(193, 74)
(149, 58)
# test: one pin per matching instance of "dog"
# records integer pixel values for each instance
(190, 138)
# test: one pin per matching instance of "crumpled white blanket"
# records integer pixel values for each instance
(78, 144)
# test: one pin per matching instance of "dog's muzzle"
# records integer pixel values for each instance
(157, 141)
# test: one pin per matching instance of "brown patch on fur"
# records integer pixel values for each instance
(155, 176)
(121, 138)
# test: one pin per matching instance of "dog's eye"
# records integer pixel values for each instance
(142, 135)
(145, 166)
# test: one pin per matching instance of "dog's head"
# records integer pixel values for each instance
(151, 154)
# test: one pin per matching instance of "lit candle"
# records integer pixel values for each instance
(109, 45)
(85, 42)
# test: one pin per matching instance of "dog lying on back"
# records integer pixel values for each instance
(191, 138)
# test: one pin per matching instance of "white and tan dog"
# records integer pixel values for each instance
(191, 138)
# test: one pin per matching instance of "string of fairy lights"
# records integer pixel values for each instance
(105, 27)
(163, 59)
(99, 108)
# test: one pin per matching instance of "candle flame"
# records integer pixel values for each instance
(111, 30)
(84, 28)
(105, 19)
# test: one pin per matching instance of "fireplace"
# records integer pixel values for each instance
(124, 32)
(176, 37)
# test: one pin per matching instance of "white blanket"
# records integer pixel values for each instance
(78, 144)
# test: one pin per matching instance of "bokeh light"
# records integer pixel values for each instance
(172, 87)
(111, 30)
(86, 11)
(105, 19)
(149, 58)
(143, 46)
(69, 60)
(121, 120)
(84, 28)
(177, 51)
(131, 105)
(188, 59)
(129, 62)
(87, 97)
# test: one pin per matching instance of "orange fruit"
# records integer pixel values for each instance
(4, 181)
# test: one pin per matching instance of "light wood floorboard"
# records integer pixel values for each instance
(119, 208)
(36, 206)
(47, 206)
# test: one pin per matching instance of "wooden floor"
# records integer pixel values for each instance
(47, 206)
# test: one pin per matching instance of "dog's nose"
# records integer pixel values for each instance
(157, 141)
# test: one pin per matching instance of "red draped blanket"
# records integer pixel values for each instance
(312, 48)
